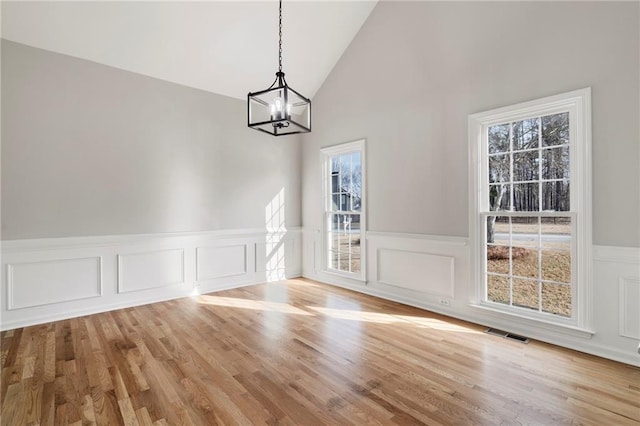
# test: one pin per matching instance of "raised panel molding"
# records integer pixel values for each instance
(221, 261)
(150, 269)
(274, 254)
(32, 284)
(417, 271)
(629, 321)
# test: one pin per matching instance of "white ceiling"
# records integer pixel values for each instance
(227, 47)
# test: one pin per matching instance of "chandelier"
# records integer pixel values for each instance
(279, 110)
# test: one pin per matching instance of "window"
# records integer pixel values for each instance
(531, 211)
(344, 219)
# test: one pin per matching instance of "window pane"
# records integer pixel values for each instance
(525, 134)
(344, 201)
(499, 168)
(555, 129)
(525, 166)
(525, 197)
(556, 196)
(556, 265)
(556, 249)
(335, 201)
(335, 182)
(498, 229)
(525, 293)
(355, 264)
(556, 299)
(555, 163)
(498, 259)
(344, 263)
(524, 262)
(334, 223)
(498, 289)
(499, 197)
(525, 231)
(335, 165)
(334, 260)
(499, 138)
(556, 233)
(356, 174)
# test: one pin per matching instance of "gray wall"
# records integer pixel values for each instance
(93, 150)
(416, 70)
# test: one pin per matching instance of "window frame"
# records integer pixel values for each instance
(326, 154)
(578, 104)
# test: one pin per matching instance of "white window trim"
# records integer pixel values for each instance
(325, 154)
(578, 104)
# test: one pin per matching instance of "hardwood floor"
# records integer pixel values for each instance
(299, 352)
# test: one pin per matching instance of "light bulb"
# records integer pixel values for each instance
(276, 109)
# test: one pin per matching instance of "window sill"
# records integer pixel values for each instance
(533, 325)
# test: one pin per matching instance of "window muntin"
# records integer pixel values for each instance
(531, 215)
(344, 220)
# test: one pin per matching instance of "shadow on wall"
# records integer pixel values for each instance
(276, 231)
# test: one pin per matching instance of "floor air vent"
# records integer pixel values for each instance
(506, 335)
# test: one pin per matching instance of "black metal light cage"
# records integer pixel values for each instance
(293, 116)
(279, 110)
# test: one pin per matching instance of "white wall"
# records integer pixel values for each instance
(416, 70)
(409, 81)
(92, 150)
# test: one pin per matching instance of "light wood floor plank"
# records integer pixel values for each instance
(299, 353)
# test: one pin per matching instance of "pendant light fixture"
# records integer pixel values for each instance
(279, 110)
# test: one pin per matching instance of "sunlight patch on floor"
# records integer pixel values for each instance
(258, 305)
(382, 318)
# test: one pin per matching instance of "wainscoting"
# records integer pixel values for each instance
(51, 279)
(434, 273)
(56, 278)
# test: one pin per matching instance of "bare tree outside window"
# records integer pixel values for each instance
(528, 256)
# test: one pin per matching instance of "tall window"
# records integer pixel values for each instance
(532, 208)
(343, 171)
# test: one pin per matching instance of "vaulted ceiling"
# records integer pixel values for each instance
(227, 47)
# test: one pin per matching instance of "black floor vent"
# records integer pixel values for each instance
(506, 335)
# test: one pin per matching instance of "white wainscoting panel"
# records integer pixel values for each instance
(147, 270)
(52, 281)
(274, 254)
(219, 262)
(630, 307)
(421, 272)
(56, 278)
